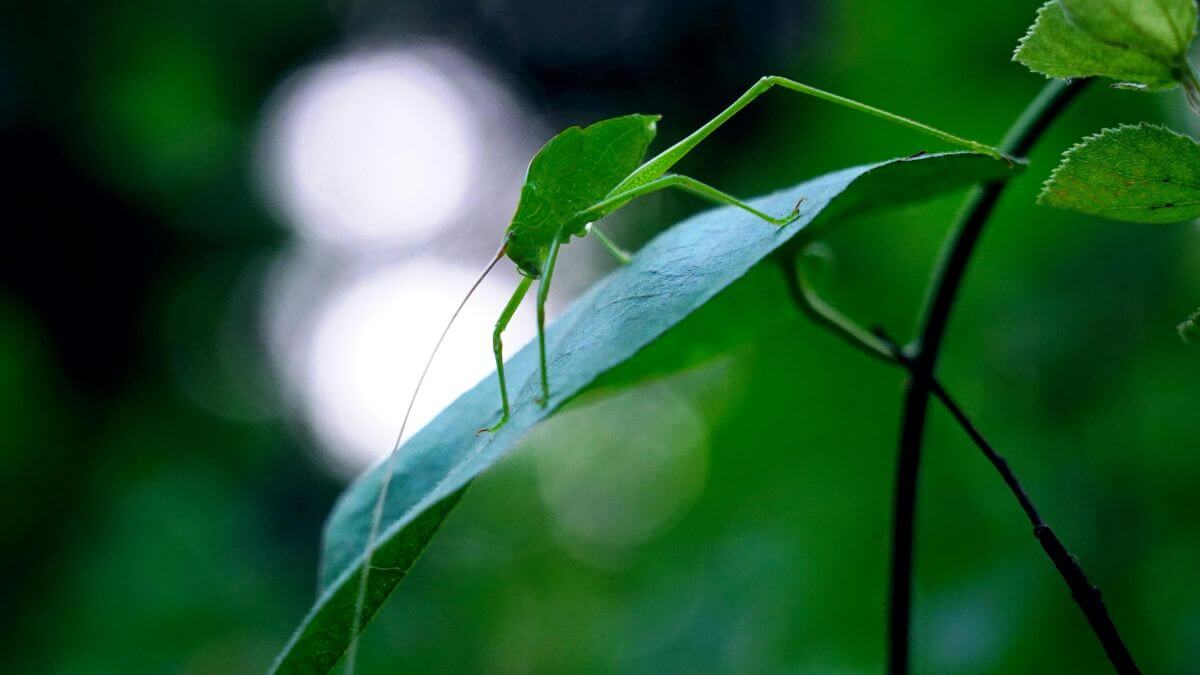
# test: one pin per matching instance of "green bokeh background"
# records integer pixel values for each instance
(150, 530)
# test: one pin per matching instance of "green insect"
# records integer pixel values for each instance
(580, 176)
(583, 175)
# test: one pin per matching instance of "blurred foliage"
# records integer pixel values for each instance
(151, 530)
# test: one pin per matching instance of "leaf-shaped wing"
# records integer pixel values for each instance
(573, 171)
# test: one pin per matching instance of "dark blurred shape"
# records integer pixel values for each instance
(83, 260)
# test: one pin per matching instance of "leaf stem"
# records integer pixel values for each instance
(947, 278)
(1191, 86)
(805, 296)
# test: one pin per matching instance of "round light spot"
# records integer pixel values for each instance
(371, 339)
(616, 471)
(372, 147)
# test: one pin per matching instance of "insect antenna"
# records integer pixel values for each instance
(385, 481)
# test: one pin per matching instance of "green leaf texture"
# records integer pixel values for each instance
(670, 278)
(1161, 29)
(1141, 174)
(1138, 43)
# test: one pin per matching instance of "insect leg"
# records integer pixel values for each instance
(543, 293)
(614, 202)
(945, 137)
(498, 346)
(661, 163)
(617, 252)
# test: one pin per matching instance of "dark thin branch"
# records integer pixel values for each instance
(997, 460)
(1085, 594)
(994, 457)
(947, 278)
(1088, 598)
(880, 346)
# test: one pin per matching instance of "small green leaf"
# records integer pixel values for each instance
(670, 278)
(1189, 330)
(1138, 43)
(1141, 174)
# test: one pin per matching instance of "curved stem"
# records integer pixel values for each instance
(947, 278)
(805, 296)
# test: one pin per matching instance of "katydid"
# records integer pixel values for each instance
(583, 175)
(577, 178)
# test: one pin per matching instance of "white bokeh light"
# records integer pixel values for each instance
(373, 146)
(370, 341)
(392, 162)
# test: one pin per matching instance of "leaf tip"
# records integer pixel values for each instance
(1027, 42)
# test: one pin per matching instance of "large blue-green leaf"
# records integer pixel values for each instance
(671, 277)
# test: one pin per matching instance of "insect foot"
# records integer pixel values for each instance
(492, 429)
(795, 211)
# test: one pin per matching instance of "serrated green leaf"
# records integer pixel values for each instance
(670, 278)
(1141, 174)
(1162, 29)
(1140, 43)
(1189, 330)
